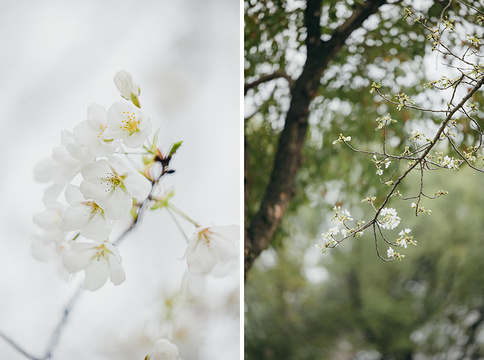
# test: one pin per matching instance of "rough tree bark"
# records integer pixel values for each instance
(288, 158)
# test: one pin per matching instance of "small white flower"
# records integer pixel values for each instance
(48, 171)
(128, 123)
(390, 219)
(99, 261)
(50, 245)
(113, 186)
(416, 135)
(339, 216)
(49, 218)
(125, 85)
(163, 350)
(211, 248)
(71, 156)
(85, 216)
(405, 238)
(90, 132)
(331, 232)
(342, 138)
(450, 163)
(390, 252)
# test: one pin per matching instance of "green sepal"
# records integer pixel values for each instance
(174, 148)
(163, 201)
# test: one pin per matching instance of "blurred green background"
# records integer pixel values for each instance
(348, 304)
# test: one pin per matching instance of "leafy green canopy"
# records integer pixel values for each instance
(386, 49)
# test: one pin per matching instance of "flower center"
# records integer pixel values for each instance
(130, 123)
(205, 236)
(113, 180)
(101, 130)
(101, 253)
(95, 208)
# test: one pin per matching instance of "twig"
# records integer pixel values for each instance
(18, 347)
(269, 77)
(54, 340)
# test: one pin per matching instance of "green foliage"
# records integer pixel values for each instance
(399, 309)
(387, 49)
(430, 304)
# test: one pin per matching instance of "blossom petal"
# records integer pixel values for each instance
(73, 194)
(43, 251)
(96, 275)
(97, 228)
(98, 191)
(77, 261)
(96, 169)
(116, 271)
(48, 219)
(138, 185)
(75, 217)
(117, 204)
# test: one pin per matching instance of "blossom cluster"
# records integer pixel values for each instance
(387, 219)
(94, 186)
(340, 217)
(91, 187)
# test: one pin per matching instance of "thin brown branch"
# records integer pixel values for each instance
(421, 158)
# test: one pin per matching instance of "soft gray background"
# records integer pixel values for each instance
(56, 58)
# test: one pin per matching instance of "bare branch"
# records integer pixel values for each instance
(18, 347)
(54, 340)
(266, 78)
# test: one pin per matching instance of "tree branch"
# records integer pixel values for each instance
(269, 77)
(54, 340)
(288, 158)
(18, 347)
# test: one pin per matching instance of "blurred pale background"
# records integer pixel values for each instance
(57, 58)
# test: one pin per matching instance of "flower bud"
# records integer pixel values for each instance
(163, 350)
(128, 89)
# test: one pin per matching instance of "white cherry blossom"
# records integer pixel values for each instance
(99, 261)
(163, 350)
(128, 123)
(49, 219)
(126, 86)
(390, 252)
(50, 245)
(112, 185)
(212, 248)
(90, 132)
(71, 156)
(393, 254)
(390, 219)
(84, 216)
(48, 171)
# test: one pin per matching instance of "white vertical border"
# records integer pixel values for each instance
(241, 177)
